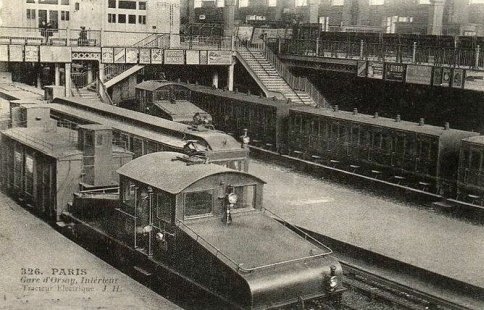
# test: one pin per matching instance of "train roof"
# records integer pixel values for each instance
(153, 85)
(169, 172)
(475, 140)
(381, 121)
(179, 110)
(216, 140)
(58, 143)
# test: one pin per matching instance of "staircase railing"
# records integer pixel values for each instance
(296, 82)
(264, 88)
(103, 92)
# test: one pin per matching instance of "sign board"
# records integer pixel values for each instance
(395, 72)
(144, 56)
(156, 56)
(107, 55)
(119, 55)
(203, 58)
(54, 54)
(361, 70)
(219, 57)
(31, 53)
(174, 57)
(16, 53)
(446, 74)
(419, 74)
(193, 57)
(458, 78)
(131, 55)
(474, 80)
(375, 70)
(244, 33)
(4, 53)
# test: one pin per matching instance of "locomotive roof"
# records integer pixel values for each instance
(179, 110)
(216, 140)
(153, 85)
(166, 171)
(58, 143)
(380, 121)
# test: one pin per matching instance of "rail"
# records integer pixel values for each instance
(410, 52)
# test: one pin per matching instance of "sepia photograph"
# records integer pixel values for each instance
(242, 154)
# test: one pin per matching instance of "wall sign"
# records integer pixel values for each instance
(419, 74)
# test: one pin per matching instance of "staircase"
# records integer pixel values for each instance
(268, 77)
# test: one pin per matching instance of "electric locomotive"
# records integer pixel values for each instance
(174, 216)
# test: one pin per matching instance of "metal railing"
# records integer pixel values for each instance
(296, 82)
(206, 42)
(403, 53)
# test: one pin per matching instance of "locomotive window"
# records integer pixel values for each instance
(198, 203)
(163, 203)
(129, 195)
(246, 197)
(29, 174)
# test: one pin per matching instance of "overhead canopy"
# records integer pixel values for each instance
(162, 170)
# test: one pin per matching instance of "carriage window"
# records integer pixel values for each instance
(355, 132)
(246, 197)
(29, 174)
(198, 203)
(475, 163)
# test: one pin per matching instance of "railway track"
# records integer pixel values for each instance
(388, 293)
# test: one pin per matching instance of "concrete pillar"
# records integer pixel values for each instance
(436, 14)
(191, 11)
(101, 72)
(229, 17)
(89, 73)
(68, 79)
(230, 78)
(346, 14)
(39, 76)
(313, 11)
(215, 79)
(363, 12)
(57, 74)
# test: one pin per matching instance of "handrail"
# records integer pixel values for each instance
(295, 82)
(303, 234)
(103, 92)
(268, 93)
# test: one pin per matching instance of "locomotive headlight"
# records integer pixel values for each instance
(245, 139)
(232, 198)
(333, 282)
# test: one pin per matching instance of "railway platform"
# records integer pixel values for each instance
(418, 236)
(41, 269)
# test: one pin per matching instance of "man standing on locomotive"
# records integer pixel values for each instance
(143, 219)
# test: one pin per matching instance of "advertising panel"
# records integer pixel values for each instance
(193, 57)
(458, 78)
(144, 56)
(119, 55)
(244, 33)
(375, 70)
(219, 57)
(474, 80)
(16, 53)
(31, 53)
(107, 55)
(419, 74)
(446, 74)
(55, 54)
(174, 57)
(3, 52)
(131, 55)
(395, 72)
(203, 58)
(156, 56)
(361, 70)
